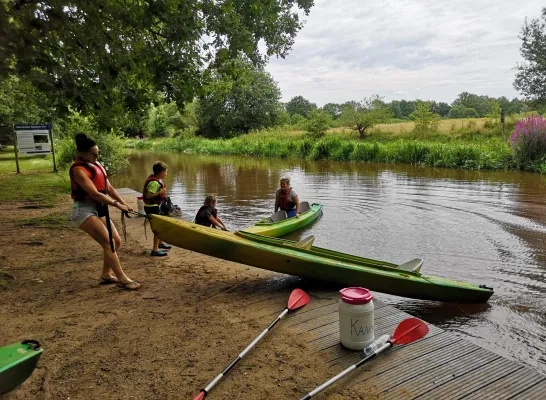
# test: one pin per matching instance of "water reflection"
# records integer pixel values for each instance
(482, 227)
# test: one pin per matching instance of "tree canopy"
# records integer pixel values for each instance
(235, 104)
(300, 105)
(531, 76)
(95, 55)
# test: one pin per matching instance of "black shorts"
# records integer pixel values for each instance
(152, 210)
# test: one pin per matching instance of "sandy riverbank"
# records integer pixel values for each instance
(193, 315)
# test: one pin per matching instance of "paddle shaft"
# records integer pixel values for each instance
(243, 353)
(345, 372)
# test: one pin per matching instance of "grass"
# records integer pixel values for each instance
(36, 185)
(51, 221)
(26, 164)
(476, 143)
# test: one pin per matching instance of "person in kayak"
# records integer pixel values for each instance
(92, 194)
(208, 215)
(287, 199)
(154, 193)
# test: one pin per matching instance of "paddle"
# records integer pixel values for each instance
(298, 298)
(408, 331)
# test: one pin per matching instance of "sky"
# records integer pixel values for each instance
(405, 49)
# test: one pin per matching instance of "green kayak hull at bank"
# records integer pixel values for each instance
(316, 263)
(17, 362)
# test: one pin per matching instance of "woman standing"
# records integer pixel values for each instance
(92, 194)
(287, 199)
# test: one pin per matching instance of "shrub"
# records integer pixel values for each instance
(318, 122)
(528, 139)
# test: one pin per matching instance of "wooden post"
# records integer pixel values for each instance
(16, 149)
(52, 147)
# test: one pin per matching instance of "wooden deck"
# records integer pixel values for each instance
(439, 366)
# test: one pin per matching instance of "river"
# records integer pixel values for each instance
(480, 227)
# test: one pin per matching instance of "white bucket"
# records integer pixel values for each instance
(356, 318)
(140, 205)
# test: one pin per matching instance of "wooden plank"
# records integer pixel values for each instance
(394, 358)
(436, 378)
(332, 341)
(536, 392)
(424, 365)
(510, 386)
(471, 380)
(397, 355)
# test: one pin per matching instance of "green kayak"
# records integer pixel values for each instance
(17, 362)
(303, 259)
(278, 224)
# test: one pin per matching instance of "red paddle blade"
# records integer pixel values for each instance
(200, 396)
(298, 298)
(409, 330)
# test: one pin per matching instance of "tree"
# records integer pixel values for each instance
(460, 111)
(300, 105)
(92, 55)
(425, 119)
(363, 116)
(20, 102)
(233, 105)
(479, 103)
(440, 108)
(318, 122)
(333, 109)
(531, 77)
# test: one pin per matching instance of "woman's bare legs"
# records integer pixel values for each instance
(106, 267)
(95, 228)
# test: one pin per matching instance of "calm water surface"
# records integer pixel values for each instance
(481, 227)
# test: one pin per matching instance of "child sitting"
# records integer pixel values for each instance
(208, 215)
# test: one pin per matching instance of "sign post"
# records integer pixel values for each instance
(34, 140)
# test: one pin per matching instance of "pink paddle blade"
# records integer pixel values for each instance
(409, 330)
(298, 298)
(200, 396)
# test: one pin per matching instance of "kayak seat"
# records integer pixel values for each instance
(304, 206)
(412, 266)
(306, 243)
(278, 216)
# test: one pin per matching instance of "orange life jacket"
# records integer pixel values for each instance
(156, 200)
(284, 200)
(95, 172)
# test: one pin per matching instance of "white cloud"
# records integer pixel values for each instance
(408, 49)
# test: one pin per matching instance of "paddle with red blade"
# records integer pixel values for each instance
(298, 298)
(408, 331)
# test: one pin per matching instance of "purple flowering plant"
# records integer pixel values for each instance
(528, 139)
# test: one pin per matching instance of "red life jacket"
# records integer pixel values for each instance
(95, 172)
(156, 200)
(284, 200)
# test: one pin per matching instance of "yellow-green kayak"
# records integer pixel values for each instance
(278, 224)
(287, 257)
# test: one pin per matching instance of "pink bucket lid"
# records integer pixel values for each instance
(140, 197)
(356, 295)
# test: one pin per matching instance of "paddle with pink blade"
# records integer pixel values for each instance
(408, 331)
(298, 298)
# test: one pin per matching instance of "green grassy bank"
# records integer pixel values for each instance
(471, 151)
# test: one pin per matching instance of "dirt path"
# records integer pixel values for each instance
(193, 315)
